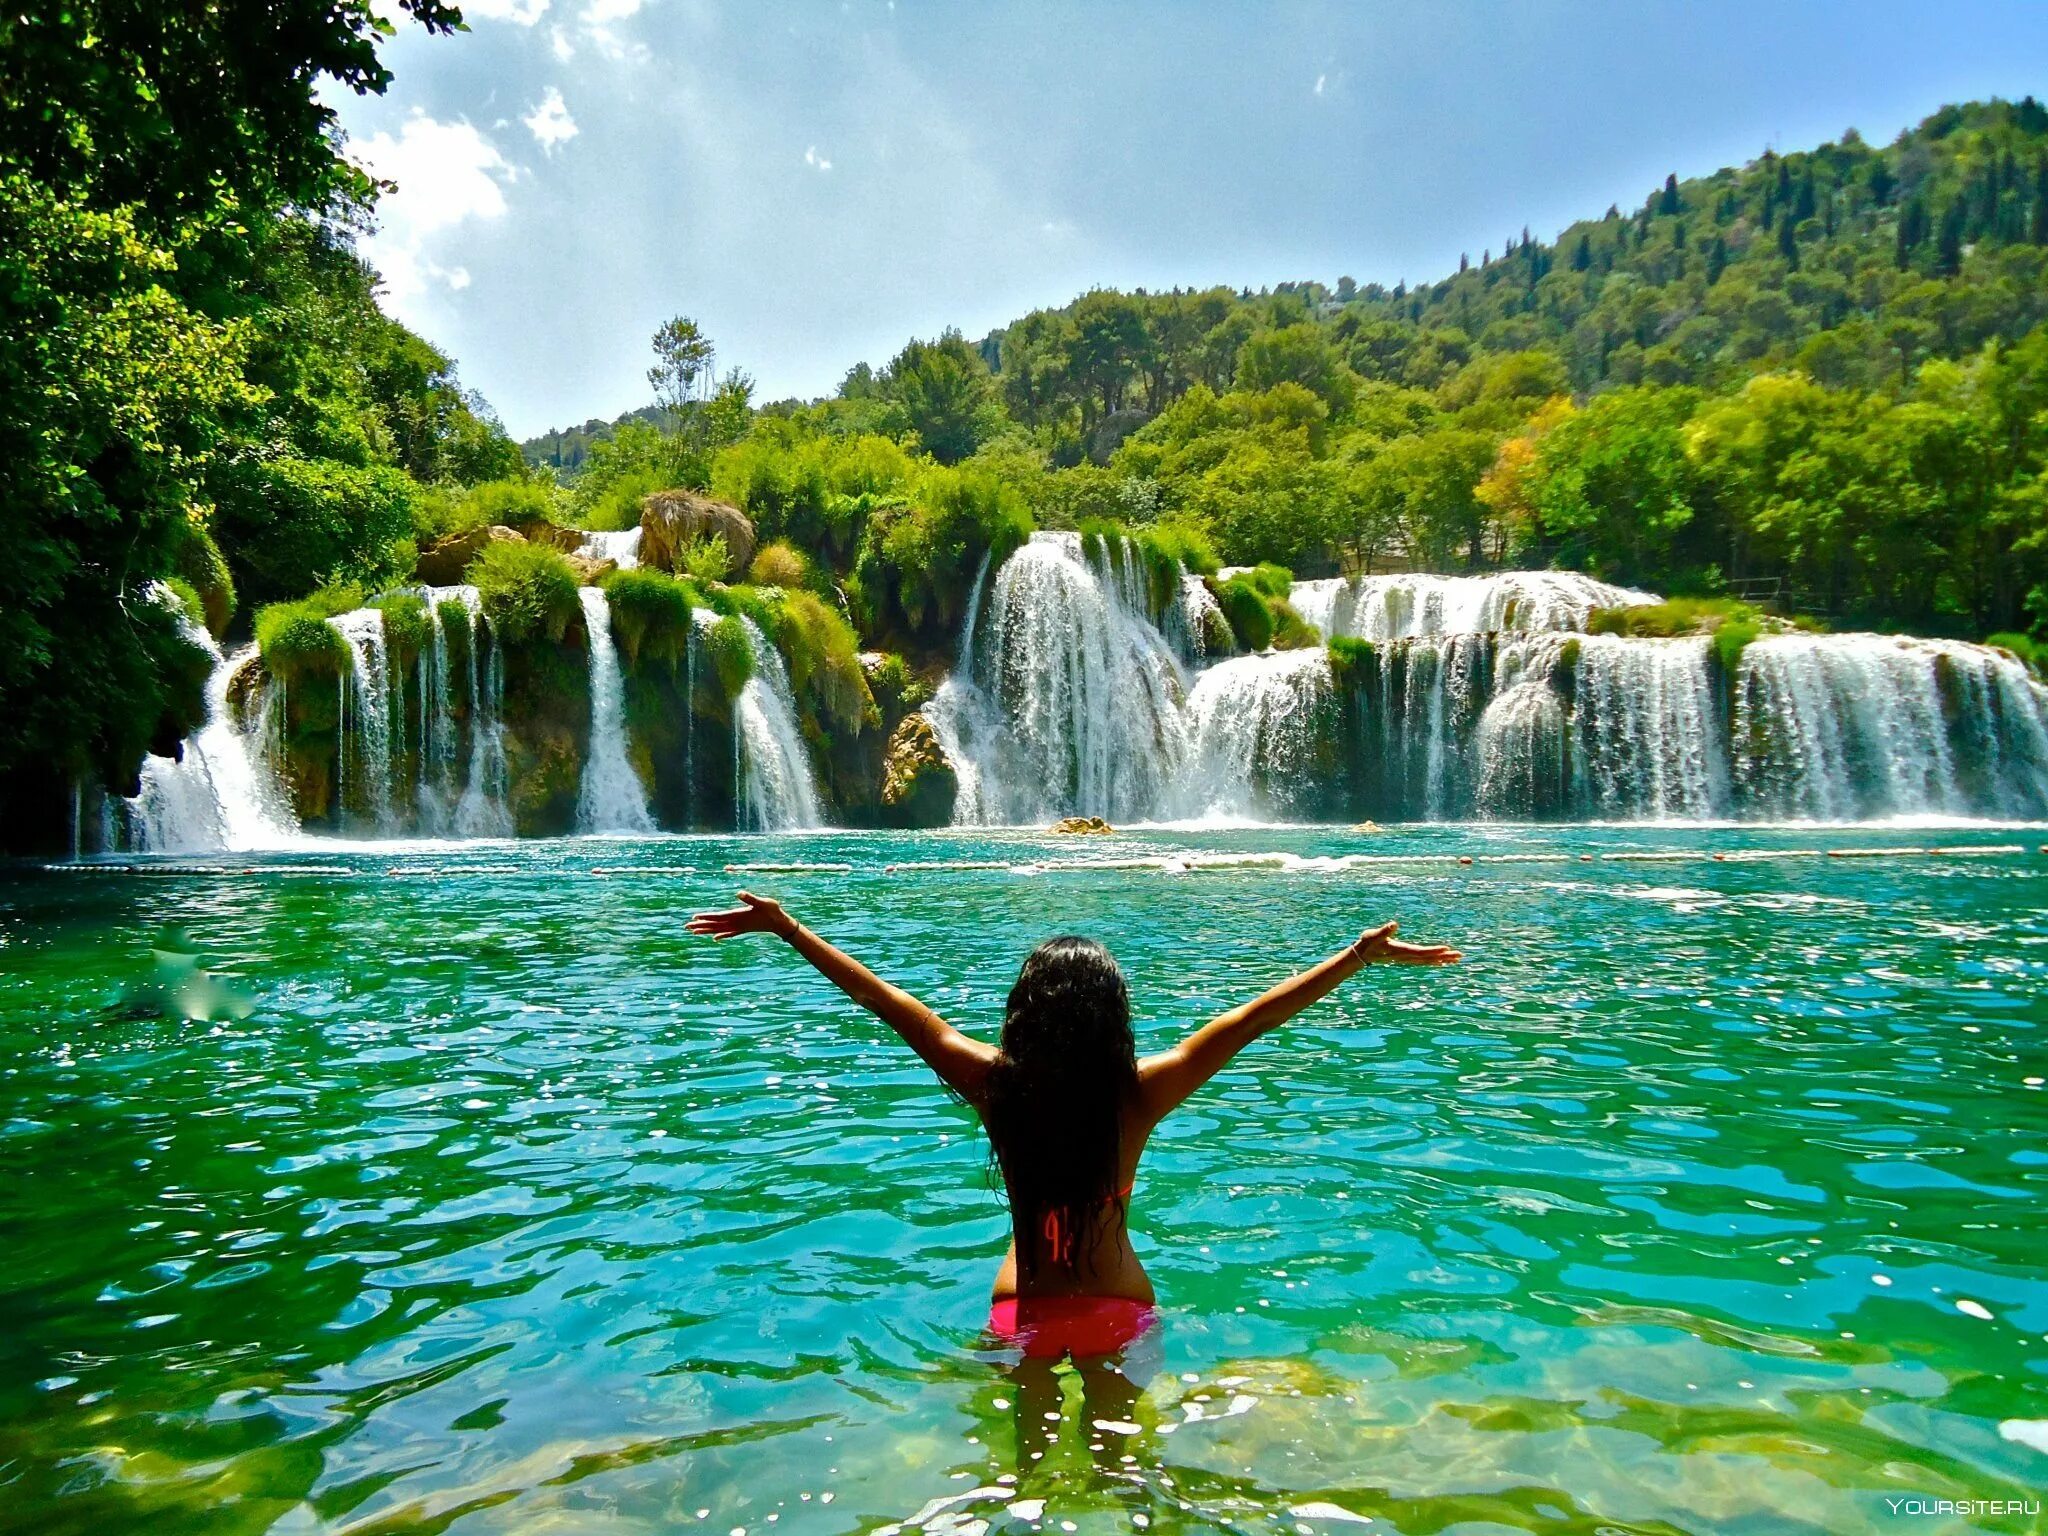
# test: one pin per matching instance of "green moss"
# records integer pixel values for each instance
(1244, 605)
(731, 652)
(528, 590)
(1182, 542)
(1730, 637)
(1675, 616)
(1273, 580)
(298, 643)
(198, 561)
(406, 624)
(650, 614)
(1352, 661)
(1291, 632)
(779, 564)
(824, 663)
(1568, 654)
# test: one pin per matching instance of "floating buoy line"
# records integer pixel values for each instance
(1180, 863)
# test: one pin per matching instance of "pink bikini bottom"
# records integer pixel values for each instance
(1047, 1327)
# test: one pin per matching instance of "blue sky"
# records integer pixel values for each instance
(815, 183)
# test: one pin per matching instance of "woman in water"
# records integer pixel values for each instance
(1068, 1106)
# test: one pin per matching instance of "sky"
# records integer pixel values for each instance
(815, 183)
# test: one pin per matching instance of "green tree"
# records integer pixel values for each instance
(945, 394)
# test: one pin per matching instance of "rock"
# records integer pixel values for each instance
(538, 530)
(590, 570)
(669, 520)
(1081, 826)
(919, 784)
(444, 562)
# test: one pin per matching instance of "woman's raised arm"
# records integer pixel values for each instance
(961, 1061)
(1168, 1078)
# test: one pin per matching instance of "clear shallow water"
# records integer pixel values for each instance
(482, 1199)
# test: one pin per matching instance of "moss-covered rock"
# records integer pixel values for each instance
(671, 521)
(447, 560)
(528, 591)
(919, 782)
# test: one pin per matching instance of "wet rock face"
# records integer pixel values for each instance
(918, 781)
(589, 570)
(670, 520)
(443, 563)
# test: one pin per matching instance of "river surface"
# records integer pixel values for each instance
(458, 1190)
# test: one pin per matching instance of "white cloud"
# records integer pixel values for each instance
(816, 161)
(1321, 81)
(559, 41)
(447, 174)
(550, 122)
(524, 12)
(600, 25)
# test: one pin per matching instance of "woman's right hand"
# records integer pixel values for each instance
(755, 914)
(1380, 944)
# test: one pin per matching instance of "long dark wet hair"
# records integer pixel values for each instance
(1055, 1099)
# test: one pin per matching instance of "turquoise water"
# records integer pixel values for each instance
(459, 1190)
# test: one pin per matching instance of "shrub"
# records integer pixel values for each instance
(1291, 632)
(405, 623)
(824, 661)
(1675, 616)
(1178, 539)
(456, 633)
(1273, 580)
(732, 654)
(650, 614)
(198, 561)
(186, 597)
(297, 642)
(287, 521)
(528, 590)
(1244, 605)
(779, 565)
(2028, 650)
(919, 561)
(705, 558)
(1730, 636)
(896, 689)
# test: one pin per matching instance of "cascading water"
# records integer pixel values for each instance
(1256, 724)
(366, 717)
(1404, 606)
(1477, 696)
(1068, 698)
(222, 795)
(1835, 727)
(612, 798)
(776, 791)
(622, 548)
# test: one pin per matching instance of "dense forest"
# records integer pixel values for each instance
(1824, 368)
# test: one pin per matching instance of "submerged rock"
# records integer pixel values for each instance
(1081, 826)
(919, 784)
(670, 520)
(444, 562)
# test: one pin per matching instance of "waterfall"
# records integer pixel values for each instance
(622, 548)
(1404, 606)
(1838, 727)
(776, 790)
(1257, 723)
(481, 809)
(365, 708)
(612, 798)
(1068, 697)
(222, 794)
(1650, 737)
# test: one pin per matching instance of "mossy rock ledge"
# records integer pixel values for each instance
(670, 520)
(919, 783)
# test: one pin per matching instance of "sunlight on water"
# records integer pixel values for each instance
(451, 1188)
